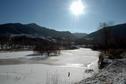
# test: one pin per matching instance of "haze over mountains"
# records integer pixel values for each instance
(79, 35)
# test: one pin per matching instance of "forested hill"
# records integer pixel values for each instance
(118, 31)
(32, 30)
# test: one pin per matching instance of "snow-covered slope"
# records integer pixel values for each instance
(115, 73)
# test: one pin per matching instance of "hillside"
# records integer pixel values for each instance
(118, 31)
(112, 74)
(32, 30)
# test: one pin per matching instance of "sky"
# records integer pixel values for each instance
(56, 14)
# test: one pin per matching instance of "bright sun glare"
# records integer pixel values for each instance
(77, 7)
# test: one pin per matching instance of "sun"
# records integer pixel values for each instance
(77, 7)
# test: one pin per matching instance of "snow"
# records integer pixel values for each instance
(37, 74)
(53, 70)
(78, 56)
(13, 54)
(115, 73)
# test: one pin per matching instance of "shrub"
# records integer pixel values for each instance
(47, 49)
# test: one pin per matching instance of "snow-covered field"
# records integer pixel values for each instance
(53, 70)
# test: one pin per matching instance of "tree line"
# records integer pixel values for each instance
(37, 44)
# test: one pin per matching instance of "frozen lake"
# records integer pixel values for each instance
(18, 68)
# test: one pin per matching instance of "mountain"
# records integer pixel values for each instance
(32, 30)
(109, 37)
(116, 31)
(79, 35)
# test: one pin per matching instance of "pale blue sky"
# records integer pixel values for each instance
(56, 14)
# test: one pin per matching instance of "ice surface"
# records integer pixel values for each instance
(53, 70)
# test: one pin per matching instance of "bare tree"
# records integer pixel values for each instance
(105, 37)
